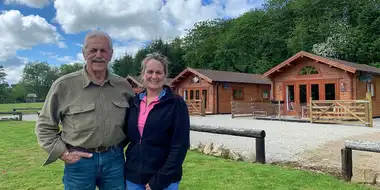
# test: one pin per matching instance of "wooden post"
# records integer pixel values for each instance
(20, 116)
(251, 105)
(203, 106)
(279, 110)
(346, 163)
(311, 110)
(369, 99)
(260, 150)
(232, 108)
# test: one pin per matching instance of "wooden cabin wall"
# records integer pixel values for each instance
(187, 84)
(361, 90)
(326, 73)
(254, 91)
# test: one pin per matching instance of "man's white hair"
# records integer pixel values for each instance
(96, 33)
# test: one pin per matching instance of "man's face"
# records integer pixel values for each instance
(97, 54)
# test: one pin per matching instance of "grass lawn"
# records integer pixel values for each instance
(21, 168)
(9, 107)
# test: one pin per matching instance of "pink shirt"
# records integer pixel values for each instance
(144, 111)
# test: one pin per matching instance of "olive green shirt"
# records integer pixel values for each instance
(91, 115)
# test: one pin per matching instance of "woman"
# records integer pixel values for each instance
(158, 128)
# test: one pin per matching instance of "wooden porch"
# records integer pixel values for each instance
(317, 111)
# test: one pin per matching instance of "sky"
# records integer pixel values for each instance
(53, 30)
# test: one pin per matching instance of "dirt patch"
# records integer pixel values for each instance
(366, 165)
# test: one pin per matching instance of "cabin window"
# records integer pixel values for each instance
(204, 94)
(185, 94)
(191, 94)
(197, 95)
(371, 89)
(238, 94)
(308, 70)
(265, 94)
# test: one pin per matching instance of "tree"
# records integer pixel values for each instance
(37, 78)
(19, 92)
(69, 68)
(4, 86)
(124, 66)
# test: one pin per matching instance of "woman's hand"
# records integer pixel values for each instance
(147, 187)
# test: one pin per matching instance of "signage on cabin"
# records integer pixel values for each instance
(343, 87)
(366, 77)
(195, 79)
(226, 86)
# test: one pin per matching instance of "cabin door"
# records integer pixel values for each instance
(193, 97)
(289, 95)
(297, 94)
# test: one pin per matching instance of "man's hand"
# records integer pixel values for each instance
(74, 156)
(147, 187)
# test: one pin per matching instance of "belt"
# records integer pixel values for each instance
(97, 149)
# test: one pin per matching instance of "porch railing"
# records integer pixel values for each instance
(316, 111)
(342, 111)
(196, 107)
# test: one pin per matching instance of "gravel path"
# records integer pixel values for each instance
(285, 141)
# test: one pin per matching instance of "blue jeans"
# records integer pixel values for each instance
(105, 170)
(133, 186)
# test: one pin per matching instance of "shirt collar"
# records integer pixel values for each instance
(87, 79)
(162, 94)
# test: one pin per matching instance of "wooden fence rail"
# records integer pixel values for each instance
(252, 133)
(240, 108)
(346, 154)
(342, 111)
(196, 107)
(26, 108)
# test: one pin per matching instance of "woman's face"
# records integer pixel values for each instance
(154, 75)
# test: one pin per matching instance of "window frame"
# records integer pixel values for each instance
(242, 93)
(372, 87)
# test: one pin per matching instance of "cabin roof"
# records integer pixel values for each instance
(223, 76)
(136, 80)
(341, 64)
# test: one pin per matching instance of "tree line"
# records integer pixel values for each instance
(37, 77)
(260, 39)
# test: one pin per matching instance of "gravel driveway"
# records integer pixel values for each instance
(285, 141)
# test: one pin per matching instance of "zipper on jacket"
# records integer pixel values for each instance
(147, 117)
(142, 135)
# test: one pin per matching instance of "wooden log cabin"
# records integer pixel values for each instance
(137, 86)
(218, 87)
(135, 83)
(305, 75)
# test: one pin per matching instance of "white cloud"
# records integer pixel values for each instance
(29, 3)
(63, 59)
(235, 8)
(14, 67)
(139, 20)
(20, 32)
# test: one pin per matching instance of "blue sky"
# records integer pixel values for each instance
(53, 31)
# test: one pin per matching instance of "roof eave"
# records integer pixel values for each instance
(311, 56)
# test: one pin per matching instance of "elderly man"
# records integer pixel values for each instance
(91, 104)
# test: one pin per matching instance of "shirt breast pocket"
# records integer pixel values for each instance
(82, 117)
(119, 111)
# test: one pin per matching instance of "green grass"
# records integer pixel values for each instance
(21, 168)
(9, 107)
